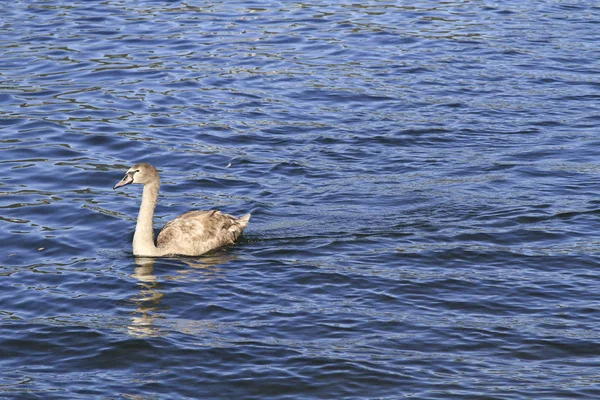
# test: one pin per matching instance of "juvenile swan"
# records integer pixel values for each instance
(191, 234)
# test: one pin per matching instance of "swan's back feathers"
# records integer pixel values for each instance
(197, 232)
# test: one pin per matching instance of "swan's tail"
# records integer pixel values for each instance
(243, 221)
(238, 226)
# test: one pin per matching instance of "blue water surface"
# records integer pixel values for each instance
(422, 177)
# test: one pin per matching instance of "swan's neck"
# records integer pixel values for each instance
(143, 238)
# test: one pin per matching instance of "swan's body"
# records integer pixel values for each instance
(190, 234)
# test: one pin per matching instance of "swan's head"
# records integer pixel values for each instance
(139, 173)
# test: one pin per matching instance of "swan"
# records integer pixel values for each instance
(190, 234)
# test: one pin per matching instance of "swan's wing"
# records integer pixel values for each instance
(197, 232)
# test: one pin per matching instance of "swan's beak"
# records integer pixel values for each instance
(127, 179)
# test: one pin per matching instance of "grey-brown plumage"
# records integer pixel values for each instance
(190, 234)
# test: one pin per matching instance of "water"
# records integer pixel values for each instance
(422, 179)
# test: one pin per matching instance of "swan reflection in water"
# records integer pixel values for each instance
(149, 310)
